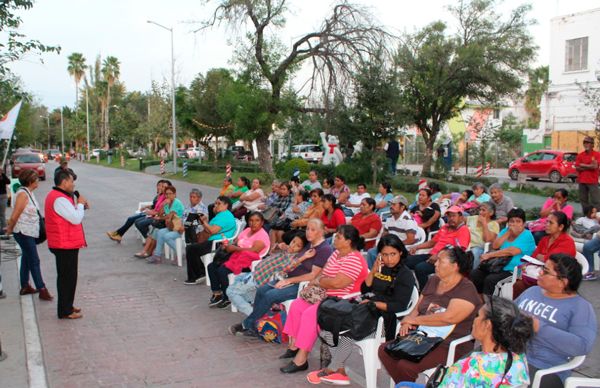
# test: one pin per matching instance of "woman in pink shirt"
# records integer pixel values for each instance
(342, 275)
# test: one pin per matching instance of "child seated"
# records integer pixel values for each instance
(586, 226)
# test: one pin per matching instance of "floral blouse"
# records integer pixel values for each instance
(484, 370)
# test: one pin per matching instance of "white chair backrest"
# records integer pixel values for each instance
(585, 267)
(420, 235)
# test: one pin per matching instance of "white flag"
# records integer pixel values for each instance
(7, 123)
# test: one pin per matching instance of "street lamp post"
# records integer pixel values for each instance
(62, 132)
(174, 146)
(87, 120)
(47, 117)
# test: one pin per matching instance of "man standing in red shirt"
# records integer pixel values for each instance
(587, 165)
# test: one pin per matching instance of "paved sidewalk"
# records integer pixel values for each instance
(13, 370)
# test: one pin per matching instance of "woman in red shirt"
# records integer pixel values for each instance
(333, 216)
(556, 240)
(367, 222)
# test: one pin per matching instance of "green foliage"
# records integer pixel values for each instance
(285, 170)
(538, 85)
(484, 59)
(13, 44)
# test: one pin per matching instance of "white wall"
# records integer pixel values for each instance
(563, 108)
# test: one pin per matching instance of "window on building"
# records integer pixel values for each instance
(576, 54)
(496, 114)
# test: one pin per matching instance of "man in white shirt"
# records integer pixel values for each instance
(352, 206)
(401, 223)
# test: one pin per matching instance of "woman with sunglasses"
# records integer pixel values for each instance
(564, 322)
(448, 298)
(503, 332)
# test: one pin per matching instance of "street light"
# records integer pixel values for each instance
(47, 117)
(174, 146)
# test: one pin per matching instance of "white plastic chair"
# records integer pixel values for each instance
(572, 364)
(178, 250)
(368, 347)
(574, 382)
(208, 258)
(504, 288)
(433, 233)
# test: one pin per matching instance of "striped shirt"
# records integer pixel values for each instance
(275, 263)
(401, 225)
(352, 265)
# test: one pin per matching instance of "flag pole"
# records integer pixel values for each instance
(6, 152)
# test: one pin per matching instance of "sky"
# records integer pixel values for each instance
(119, 28)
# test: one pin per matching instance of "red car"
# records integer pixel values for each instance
(553, 165)
(28, 161)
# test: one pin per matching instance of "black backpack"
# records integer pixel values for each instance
(190, 224)
(347, 317)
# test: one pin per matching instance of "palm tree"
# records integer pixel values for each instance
(76, 69)
(111, 72)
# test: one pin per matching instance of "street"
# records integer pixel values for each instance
(141, 325)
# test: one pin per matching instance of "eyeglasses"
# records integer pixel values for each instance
(546, 272)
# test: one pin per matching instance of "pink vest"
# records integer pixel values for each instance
(61, 233)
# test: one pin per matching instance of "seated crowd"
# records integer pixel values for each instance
(305, 242)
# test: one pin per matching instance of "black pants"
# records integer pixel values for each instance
(421, 266)
(66, 279)
(589, 194)
(218, 278)
(193, 252)
(143, 225)
(130, 221)
(486, 282)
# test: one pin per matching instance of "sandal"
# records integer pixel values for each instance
(142, 255)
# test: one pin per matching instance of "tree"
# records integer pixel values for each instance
(343, 41)
(374, 117)
(538, 85)
(591, 99)
(510, 135)
(76, 69)
(483, 60)
(111, 72)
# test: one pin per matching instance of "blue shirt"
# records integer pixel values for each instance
(567, 328)
(387, 198)
(524, 242)
(485, 197)
(226, 221)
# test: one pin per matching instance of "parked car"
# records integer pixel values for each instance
(28, 161)
(95, 152)
(310, 152)
(240, 153)
(53, 154)
(553, 165)
(182, 153)
(196, 153)
(140, 152)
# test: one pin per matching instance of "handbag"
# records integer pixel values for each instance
(346, 317)
(313, 294)
(495, 265)
(412, 347)
(221, 256)
(437, 377)
(42, 223)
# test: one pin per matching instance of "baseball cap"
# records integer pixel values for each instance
(400, 199)
(454, 209)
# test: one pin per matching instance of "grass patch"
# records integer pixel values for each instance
(130, 164)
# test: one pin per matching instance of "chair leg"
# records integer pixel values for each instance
(167, 250)
(206, 260)
(370, 363)
(179, 251)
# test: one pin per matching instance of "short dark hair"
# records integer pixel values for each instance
(562, 219)
(257, 214)
(319, 192)
(567, 267)
(351, 233)
(427, 191)
(371, 202)
(516, 212)
(588, 209)
(341, 177)
(61, 176)
(246, 181)
(295, 179)
(329, 181)
(226, 200)
(387, 187)
(27, 177)
(361, 184)
(171, 188)
(434, 187)
(563, 192)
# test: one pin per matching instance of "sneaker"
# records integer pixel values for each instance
(235, 329)
(336, 379)
(590, 276)
(114, 236)
(250, 333)
(154, 259)
(315, 376)
(2, 295)
(215, 300)
(223, 304)
(190, 282)
(201, 279)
